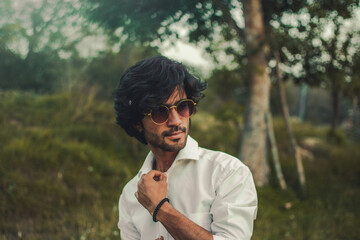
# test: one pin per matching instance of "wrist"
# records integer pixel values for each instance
(163, 212)
(151, 208)
(158, 207)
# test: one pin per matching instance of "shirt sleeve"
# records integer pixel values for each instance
(127, 228)
(235, 206)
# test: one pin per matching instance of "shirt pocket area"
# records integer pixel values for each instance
(202, 219)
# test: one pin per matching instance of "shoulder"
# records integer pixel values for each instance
(223, 165)
(221, 159)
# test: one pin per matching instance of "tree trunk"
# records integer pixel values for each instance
(253, 142)
(274, 151)
(286, 115)
(302, 104)
(355, 101)
(335, 104)
(355, 120)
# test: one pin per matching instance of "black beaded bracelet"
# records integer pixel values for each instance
(158, 207)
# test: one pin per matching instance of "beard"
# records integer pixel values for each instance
(159, 140)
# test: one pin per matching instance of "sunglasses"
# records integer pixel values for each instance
(185, 108)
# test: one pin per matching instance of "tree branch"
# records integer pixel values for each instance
(228, 18)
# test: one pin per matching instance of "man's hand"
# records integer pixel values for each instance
(152, 188)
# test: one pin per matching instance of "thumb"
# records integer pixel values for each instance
(154, 173)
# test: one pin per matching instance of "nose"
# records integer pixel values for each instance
(174, 118)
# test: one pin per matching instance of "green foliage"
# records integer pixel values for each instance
(150, 20)
(63, 165)
(322, 60)
(64, 162)
(106, 69)
(10, 69)
(38, 44)
(41, 72)
(338, 137)
(329, 210)
(226, 92)
(208, 129)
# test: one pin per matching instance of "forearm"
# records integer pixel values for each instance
(179, 226)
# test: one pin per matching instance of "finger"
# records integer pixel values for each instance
(136, 195)
(163, 177)
(154, 173)
(139, 184)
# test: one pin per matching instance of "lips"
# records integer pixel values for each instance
(175, 135)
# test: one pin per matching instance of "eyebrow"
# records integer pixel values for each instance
(169, 105)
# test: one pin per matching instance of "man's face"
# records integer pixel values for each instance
(170, 136)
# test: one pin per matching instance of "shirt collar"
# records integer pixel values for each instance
(189, 152)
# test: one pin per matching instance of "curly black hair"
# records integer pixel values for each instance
(148, 84)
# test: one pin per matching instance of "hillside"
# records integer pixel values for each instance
(64, 162)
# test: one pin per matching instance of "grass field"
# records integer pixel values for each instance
(64, 162)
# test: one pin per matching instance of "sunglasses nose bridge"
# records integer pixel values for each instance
(171, 107)
(174, 117)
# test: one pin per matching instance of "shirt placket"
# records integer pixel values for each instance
(162, 230)
(169, 174)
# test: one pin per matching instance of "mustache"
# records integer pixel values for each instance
(174, 129)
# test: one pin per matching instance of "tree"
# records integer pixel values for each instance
(105, 70)
(35, 48)
(293, 143)
(352, 90)
(150, 20)
(296, 26)
(321, 47)
(253, 146)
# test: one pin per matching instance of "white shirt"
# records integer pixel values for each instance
(212, 189)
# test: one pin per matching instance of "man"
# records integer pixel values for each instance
(182, 191)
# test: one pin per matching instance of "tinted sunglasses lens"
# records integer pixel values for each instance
(160, 115)
(186, 108)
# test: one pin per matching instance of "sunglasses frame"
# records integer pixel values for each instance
(170, 107)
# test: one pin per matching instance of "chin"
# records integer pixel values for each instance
(175, 144)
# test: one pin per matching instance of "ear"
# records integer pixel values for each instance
(139, 127)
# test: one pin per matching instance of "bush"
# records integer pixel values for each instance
(64, 162)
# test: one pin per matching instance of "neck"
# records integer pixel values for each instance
(163, 160)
